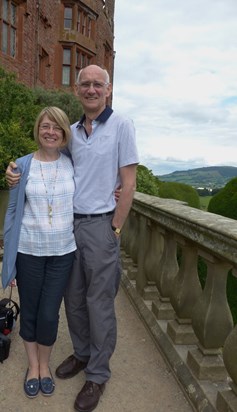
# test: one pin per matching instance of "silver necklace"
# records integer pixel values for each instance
(49, 195)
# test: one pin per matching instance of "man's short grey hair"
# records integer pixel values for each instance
(107, 80)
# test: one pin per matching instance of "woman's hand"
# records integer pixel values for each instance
(12, 174)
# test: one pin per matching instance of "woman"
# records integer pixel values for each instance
(39, 243)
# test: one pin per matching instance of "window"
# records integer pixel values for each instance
(89, 27)
(82, 60)
(85, 22)
(79, 19)
(84, 25)
(107, 55)
(67, 18)
(43, 63)
(66, 74)
(9, 28)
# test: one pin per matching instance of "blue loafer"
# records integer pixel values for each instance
(47, 385)
(31, 386)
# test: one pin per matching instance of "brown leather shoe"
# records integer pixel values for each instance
(89, 396)
(70, 367)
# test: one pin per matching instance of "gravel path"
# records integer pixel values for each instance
(140, 379)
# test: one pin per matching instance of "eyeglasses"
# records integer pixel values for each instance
(95, 85)
(46, 127)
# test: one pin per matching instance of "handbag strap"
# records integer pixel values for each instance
(10, 295)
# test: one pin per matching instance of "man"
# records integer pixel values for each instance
(104, 156)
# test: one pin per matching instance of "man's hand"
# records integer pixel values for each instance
(12, 174)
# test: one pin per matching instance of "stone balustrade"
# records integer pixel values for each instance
(162, 244)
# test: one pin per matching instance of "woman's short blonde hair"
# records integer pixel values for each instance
(55, 114)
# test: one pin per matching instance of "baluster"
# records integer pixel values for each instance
(154, 247)
(135, 223)
(212, 323)
(185, 292)
(126, 259)
(166, 272)
(141, 239)
(227, 399)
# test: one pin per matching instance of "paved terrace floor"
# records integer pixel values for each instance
(141, 380)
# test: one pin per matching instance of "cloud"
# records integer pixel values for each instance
(176, 77)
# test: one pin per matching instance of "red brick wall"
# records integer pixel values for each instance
(40, 28)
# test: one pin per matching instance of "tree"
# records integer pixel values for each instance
(68, 102)
(146, 181)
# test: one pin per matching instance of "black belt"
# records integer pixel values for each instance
(81, 215)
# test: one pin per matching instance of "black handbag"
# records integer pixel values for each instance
(9, 311)
(5, 343)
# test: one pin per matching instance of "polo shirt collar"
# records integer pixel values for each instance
(101, 118)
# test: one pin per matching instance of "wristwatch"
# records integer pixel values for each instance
(116, 230)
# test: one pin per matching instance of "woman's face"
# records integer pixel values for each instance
(50, 134)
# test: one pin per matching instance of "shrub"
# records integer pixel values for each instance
(224, 202)
(180, 191)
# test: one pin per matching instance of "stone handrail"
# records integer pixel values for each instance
(162, 243)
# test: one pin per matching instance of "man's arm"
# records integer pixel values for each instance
(128, 187)
(12, 174)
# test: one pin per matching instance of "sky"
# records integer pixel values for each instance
(175, 76)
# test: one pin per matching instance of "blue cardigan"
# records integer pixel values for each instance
(12, 223)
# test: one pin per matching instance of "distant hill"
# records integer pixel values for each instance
(209, 177)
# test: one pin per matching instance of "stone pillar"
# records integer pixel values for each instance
(212, 322)
(227, 400)
(141, 259)
(133, 243)
(185, 292)
(154, 248)
(167, 270)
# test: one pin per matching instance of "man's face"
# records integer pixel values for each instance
(93, 90)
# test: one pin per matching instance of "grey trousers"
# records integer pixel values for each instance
(90, 294)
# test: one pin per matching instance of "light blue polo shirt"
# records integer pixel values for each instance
(97, 159)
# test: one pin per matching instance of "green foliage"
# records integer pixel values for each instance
(180, 191)
(66, 101)
(224, 203)
(17, 103)
(13, 144)
(18, 112)
(146, 181)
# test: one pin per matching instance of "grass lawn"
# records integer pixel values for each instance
(204, 201)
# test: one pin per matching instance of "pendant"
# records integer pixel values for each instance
(50, 213)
